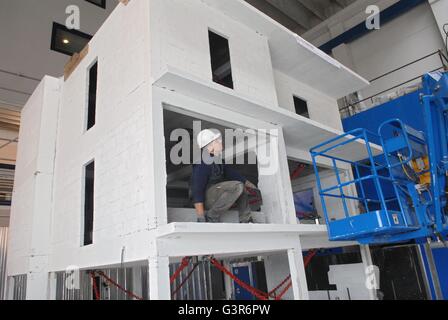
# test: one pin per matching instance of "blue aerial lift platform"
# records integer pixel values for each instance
(402, 193)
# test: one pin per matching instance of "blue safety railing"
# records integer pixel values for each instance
(382, 219)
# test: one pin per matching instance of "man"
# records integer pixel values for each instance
(216, 187)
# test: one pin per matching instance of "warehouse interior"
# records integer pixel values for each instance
(353, 95)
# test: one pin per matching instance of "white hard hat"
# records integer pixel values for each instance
(207, 136)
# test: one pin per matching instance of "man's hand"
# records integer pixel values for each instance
(250, 185)
(200, 210)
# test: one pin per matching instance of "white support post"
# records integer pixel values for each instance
(159, 278)
(9, 288)
(52, 282)
(287, 193)
(37, 286)
(298, 275)
(228, 283)
(371, 271)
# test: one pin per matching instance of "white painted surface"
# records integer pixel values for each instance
(299, 132)
(118, 143)
(322, 108)
(31, 205)
(30, 234)
(187, 48)
(350, 280)
(292, 54)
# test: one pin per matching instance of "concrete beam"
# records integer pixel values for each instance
(277, 15)
(315, 7)
(294, 10)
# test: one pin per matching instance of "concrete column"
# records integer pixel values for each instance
(159, 278)
(277, 269)
(298, 275)
(228, 283)
(52, 286)
(9, 288)
(279, 266)
(37, 286)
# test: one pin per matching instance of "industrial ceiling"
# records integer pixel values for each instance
(300, 15)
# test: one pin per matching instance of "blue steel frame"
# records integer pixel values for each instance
(378, 226)
(435, 106)
(422, 217)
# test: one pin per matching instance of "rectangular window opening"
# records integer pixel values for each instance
(89, 186)
(220, 58)
(66, 41)
(301, 107)
(93, 83)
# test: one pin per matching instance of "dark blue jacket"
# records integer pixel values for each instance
(206, 175)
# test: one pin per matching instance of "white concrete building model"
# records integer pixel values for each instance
(153, 73)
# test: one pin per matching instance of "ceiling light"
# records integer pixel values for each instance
(66, 41)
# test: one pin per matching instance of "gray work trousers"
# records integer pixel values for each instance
(220, 197)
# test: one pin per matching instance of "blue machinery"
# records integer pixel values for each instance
(402, 191)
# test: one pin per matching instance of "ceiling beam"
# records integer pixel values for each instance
(295, 10)
(277, 15)
(314, 7)
(344, 3)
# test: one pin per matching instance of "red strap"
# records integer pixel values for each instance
(297, 172)
(306, 262)
(254, 291)
(95, 287)
(183, 265)
(185, 280)
(272, 293)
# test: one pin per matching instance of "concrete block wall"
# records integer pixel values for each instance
(120, 144)
(180, 40)
(187, 49)
(322, 108)
(31, 206)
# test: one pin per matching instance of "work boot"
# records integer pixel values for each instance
(255, 218)
(211, 219)
(202, 219)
